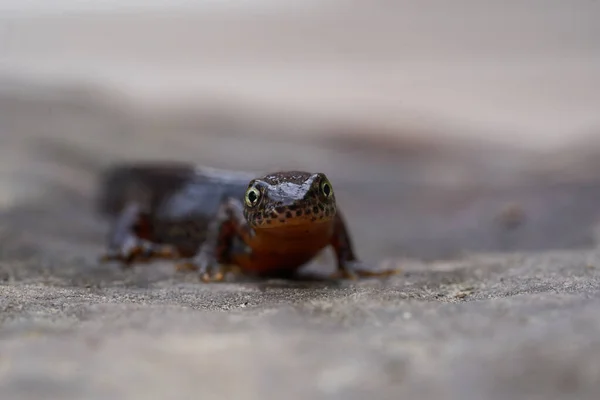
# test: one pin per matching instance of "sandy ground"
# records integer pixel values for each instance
(500, 282)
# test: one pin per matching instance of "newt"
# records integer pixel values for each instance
(265, 225)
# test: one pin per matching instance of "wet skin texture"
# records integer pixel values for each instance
(213, 220)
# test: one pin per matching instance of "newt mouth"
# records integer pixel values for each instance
(292, 215)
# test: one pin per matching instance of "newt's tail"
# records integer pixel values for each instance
(114, 183)
(143, 182)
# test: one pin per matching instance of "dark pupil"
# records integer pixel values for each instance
(252, 197)
(326, 189)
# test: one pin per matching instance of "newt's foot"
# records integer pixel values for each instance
(208, 269)
(357, 269)
(137, 250)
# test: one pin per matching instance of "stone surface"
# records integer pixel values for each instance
(483, 308)
(499, 292)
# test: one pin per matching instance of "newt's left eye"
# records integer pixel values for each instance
(252, 197)
(326, 189)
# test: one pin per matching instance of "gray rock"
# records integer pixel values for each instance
(489, 305)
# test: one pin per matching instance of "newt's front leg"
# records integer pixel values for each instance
(348, 265)
(130, 239)
(217, 248)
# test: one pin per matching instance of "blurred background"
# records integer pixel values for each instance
(446, 127)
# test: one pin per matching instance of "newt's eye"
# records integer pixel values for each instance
(252, 197)
(326, 189)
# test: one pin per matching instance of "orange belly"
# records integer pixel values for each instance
(283, 251)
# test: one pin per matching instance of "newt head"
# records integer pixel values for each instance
(290, 201)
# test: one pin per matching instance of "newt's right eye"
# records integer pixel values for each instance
(252, 197)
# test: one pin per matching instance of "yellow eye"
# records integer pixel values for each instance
(252, 197)
(326, 189)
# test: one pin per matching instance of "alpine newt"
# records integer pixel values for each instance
(268, 225)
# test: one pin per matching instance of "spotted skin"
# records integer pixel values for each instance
(265, 226)
(290, 198)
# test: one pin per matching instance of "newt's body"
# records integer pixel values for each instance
(269, 225)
